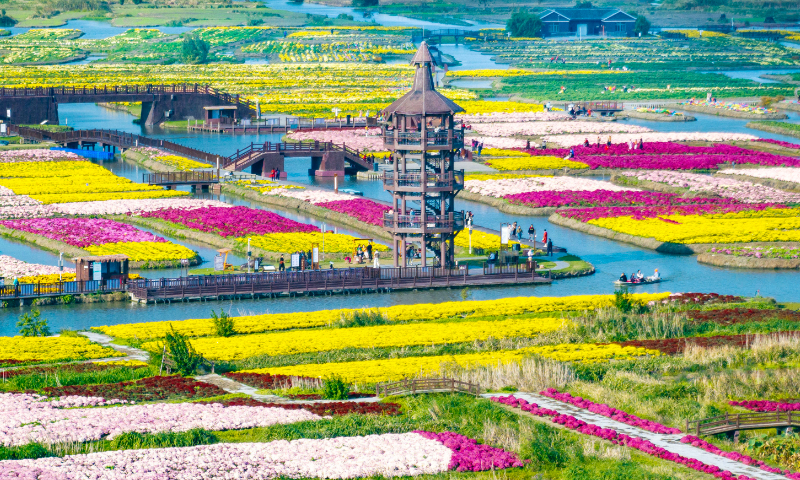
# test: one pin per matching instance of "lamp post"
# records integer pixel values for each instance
(249, 254)
(60, 265)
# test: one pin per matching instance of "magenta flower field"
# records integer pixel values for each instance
(361, 208)
(639, 213)
(605, 198)
(231, 222)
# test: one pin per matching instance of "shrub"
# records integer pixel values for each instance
(31, 450)
(335, 388)
(363, 318)
(182, 353)
(31, 325)
(623, 301)
(224, 324)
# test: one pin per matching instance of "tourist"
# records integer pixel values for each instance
(630, 144)
(623, 278)
(480, 148)
(641, 144)
(544, 144)
(528, 145)
(598, 141)
(544, 236)
(639, 275)
(656, 275)
(331, 264)
(531, 231)
(272, 174)
(376, 261)
(369, 251)
(550, 247)
(585, 143)
(281, 265)
(277, 174)
(608, 142)
(519, 233)
(571, 152)
(530, 258)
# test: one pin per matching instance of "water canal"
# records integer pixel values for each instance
(611, 258)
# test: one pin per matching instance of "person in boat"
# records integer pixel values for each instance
(633, 278)
(656, 276)
(639, 276)
(623, 278)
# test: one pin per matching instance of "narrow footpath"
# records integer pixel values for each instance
(668, 442)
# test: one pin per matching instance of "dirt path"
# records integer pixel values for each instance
(668, 442)
(128, 353)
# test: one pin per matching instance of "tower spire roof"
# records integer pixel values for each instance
(423, 97)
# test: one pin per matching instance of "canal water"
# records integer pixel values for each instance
(681, 272)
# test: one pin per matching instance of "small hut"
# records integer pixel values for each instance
(101, 267)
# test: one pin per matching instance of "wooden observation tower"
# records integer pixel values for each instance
(420, 132)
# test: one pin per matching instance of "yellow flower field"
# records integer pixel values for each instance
(50, 349)
(486, 241)
(305, 341)
(534, 163)
(181, 163)
(403, 313)
(375, 371)
(143, 251)
(502, 152)
(497, 176)
(772, 225)
(74, 181)
(292, 242)
(473, 107)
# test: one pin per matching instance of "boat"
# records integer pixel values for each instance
(645, 281)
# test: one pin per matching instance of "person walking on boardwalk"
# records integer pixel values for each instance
(531, 231)
(544, 236)
(281, 265)
(550, 247)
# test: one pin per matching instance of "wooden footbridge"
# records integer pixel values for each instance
(326, 158)
(159, 102)
(427, 385)
(732, 424)
(170, 180)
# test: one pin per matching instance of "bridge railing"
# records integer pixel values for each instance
(171, 178)
(423, 385)
(113, 137)
(182, 88)
(742, 421)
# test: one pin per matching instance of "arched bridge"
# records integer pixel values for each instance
(327, 159)
(159, 102)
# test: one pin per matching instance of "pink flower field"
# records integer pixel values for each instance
(386, 455)
(82, 232)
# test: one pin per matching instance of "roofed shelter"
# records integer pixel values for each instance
(611, 22)
(222, 114)
(101, 267)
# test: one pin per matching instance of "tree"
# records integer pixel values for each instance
(195, 49)
(31, 325)
(523, 24)
(6, 21)
(584, 4)
(642, 26)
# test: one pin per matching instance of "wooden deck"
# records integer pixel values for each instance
(326, 282)
(744, 421)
